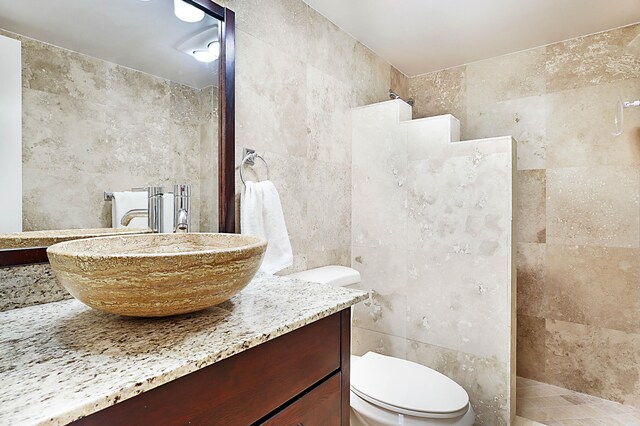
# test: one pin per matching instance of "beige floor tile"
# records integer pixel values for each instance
(572, 412)
(522, 382)
(555, 406)
(544, 401)
(535, 414)
(521, 421)
(610, 408)
(623, 420)
(541, 390)
(581, 398)
(576, 422)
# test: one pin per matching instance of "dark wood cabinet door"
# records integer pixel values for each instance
(320, 407)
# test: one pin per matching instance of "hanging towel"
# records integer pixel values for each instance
(125, 201)
(261, 215)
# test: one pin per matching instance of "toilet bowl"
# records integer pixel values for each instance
(392, 391)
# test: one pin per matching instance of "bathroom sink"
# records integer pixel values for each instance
(156, 275)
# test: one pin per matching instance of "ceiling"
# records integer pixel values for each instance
(420, 36)
(143, 35)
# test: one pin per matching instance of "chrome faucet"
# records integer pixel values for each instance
(182, 208)
(155, 207)
(132, 214)
(153, 212)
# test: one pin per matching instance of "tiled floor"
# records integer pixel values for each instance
(521, 421)
(555, 406)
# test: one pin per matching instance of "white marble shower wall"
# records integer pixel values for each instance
(432, 227)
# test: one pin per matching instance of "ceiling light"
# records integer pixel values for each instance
(204, 56)
(186, 12)
(214, 48)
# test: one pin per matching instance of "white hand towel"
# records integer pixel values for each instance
(261, 215)
(123, 202)
(167, 212)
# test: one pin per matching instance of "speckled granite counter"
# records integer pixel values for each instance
(62, 360)
(28, 285)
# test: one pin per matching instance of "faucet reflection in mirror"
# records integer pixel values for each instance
(181, 208)
(162, 205)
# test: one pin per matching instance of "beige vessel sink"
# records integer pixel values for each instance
(156, 275)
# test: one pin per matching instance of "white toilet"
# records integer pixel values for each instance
(392, 391)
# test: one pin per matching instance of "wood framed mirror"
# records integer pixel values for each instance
(91, 76)
(226, 108)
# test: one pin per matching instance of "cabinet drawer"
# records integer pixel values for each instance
(320, 407)
(239, 390)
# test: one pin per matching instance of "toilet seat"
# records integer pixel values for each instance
(406, 387)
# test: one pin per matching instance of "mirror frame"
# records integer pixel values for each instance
(226, 111)
(226, 134)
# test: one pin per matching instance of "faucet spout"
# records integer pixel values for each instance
(153, 212)
(132, 214)
(181, 208)
(183, 221)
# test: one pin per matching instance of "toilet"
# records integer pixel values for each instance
(392, 391)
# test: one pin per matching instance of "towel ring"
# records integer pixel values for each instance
(252, 156)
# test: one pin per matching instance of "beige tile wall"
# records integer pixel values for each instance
(298, 76)
(578, 200)
(431, 237)
(91, 126)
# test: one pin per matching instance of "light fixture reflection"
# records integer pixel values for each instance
(186, 12)
(214, 48)
(204, 56)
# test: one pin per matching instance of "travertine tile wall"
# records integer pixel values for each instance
(298, 76)
(91, 126)
(432, 239)
(578, 202)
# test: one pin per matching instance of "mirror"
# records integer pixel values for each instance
(111, 97)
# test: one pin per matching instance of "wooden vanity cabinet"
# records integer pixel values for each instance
(299, 378)
(321, 406)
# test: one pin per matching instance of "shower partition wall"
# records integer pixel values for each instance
(432, 235)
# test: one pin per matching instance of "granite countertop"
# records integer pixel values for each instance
(62, 360)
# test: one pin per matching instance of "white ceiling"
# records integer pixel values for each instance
(143, 35)
(420, 36)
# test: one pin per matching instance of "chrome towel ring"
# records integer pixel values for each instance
(250, 159)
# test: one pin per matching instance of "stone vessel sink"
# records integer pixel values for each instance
(156, 275)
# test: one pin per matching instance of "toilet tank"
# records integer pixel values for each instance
(333, 274)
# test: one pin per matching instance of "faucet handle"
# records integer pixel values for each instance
(182, 190)
(155, 190)
(151, 190)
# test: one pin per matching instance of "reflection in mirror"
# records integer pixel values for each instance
(115, 97)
